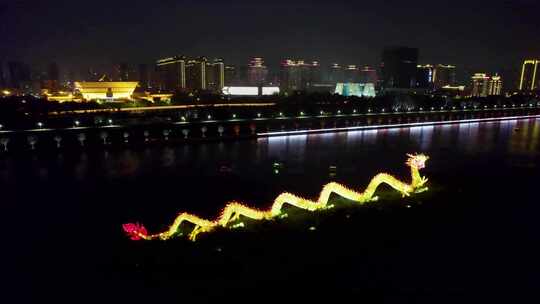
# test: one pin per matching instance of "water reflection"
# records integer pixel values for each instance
(304, 153)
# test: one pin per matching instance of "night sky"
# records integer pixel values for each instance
(476, 35)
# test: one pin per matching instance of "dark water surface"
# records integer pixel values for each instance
(62, 212)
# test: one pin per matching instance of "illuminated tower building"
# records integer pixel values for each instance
(495, 85)
(215, 75)
(290, 76)
(529, 74)
(368, 75)
(351, 74)
(335, 74)
(257, 72)
(196, 74)
(480, 85)
(399, 67)
(444, 75)
(425, 76)
(171, 73)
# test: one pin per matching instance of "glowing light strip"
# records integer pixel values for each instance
(375, 127)
(234, 210)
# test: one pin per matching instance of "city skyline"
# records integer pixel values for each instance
(327, 32)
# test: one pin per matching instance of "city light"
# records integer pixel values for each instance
(391, 126)
(40, 125)
(233, 211)
(77, 123)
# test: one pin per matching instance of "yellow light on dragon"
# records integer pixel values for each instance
(234, 210)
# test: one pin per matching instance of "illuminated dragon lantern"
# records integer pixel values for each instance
(234, 210)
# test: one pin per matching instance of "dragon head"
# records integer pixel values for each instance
(417, 161)
(135, 231)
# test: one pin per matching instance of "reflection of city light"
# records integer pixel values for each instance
(391, 126)
(234, 210)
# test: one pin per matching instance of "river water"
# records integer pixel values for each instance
(53, 203)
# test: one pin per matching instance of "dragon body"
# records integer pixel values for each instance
(234, 210)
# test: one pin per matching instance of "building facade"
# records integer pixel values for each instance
(425, 76)
(480, 85)
(171, 73)
(398, 67)
(352, 74)
(257, 72)
(196, 74)
(529, 75)
(368, 75)
(215, 75)
(495, 85)
(444, 76)
(335, 74)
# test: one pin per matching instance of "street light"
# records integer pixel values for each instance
(110, 121)
(259, 115)
(40, 125)
(234, 116)
(77, 123)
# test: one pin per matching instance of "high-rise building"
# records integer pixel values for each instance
(368, 75)
(121, 72)
(215, 75)
(425, 76)
(51, 81)
(480, 85)
(231, 76)
(143, 76)
(19, 76)
(335, 74)
(529, 74)
(257, 72)
(171, 73)
(444, 75)
(399, 67)
(299, 75)
(289, 77)
(196, 74)
(351, 74)
(495, 85)
(315, 73)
